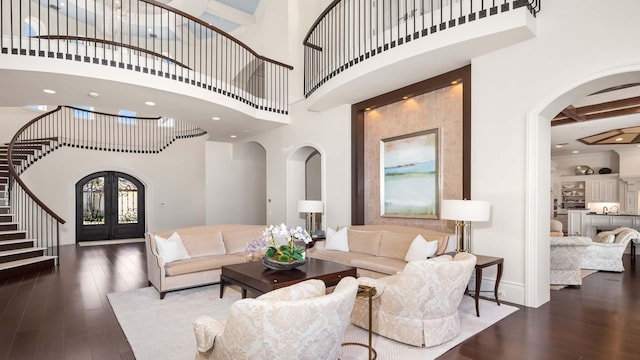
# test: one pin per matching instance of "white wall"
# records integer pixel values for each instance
(510, 83)
(330, 133)
(235, 183)
(174, 187)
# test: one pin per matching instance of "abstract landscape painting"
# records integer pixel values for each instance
(409, 175)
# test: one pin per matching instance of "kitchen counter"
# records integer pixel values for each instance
(594, 223)
(588, 214)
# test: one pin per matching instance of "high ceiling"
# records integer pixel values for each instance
(226, 15)
(611, 109)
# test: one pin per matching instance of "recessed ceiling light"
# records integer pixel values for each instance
(215, 118)
(575, 151)
(559, 145)
(150, 103)
(619, 139)
(232, 136)
(93, 94)
(49, 91)
(405, 97)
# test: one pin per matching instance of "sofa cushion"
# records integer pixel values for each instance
(337, 240)
(395, 244)
(171, 249)
(201, 263)
(340, 257)
(421, 249)
(204, 244)
(235, 241)
(366, 242)
(380, 264)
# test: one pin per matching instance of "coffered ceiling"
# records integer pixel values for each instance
(614, 112)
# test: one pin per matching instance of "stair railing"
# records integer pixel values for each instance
(148, 37)
(68, 126)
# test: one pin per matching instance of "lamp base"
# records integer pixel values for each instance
(461, 234)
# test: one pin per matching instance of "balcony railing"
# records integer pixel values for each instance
(351, 31)
(82, 129)
(148, 37)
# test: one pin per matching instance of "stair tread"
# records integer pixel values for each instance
(22, 262)
(15, 241)
(7, 232)
(20, 251)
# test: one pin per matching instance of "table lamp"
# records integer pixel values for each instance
(463, 212)
(310, 208)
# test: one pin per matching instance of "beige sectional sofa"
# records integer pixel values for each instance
(378, 250)
(209, 248)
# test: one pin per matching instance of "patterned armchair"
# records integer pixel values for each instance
(605, 253)
(419, 305)
(566, 259)
(296, 322)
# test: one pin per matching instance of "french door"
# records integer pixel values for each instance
(109, 205)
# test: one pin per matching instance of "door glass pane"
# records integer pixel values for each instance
(127, 202)
(93, 202)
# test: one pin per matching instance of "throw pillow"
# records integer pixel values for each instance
(171, 249)
(337, 240)
(421, 249)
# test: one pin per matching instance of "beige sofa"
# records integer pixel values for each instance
(378, 250)
(209, 248)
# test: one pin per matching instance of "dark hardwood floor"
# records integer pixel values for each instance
(64, 314)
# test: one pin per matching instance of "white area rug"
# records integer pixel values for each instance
(161, 329)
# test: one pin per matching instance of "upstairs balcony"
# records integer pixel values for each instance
(145, 43)
(358, 49)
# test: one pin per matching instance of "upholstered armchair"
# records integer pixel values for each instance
(296, 322)
(566, 259)
(556, 228)
(605, 253)
(419, 305)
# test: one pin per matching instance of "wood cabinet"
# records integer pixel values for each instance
(603, 190)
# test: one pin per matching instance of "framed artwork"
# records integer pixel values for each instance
(409, 175)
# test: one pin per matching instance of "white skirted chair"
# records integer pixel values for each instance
(419, 305)
(605, 253)
(566, 259)
(296, 322)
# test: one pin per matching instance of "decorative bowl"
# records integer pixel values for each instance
(583, 170)
(277, 265)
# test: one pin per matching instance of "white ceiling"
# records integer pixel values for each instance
(568, 134)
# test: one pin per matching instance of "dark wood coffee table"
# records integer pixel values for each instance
(255, 277)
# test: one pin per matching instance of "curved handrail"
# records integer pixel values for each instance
(109, 42)
(348, 32)
(66, 129)
(150, 37)
(207, 25)
(15, 175)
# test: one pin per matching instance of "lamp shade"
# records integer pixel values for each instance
(310, 206)
(465, 210)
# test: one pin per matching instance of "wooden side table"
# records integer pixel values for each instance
(481, 263)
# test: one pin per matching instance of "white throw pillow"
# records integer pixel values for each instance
(171, 249)
(337, 240)
(421, 249)
(605, 237)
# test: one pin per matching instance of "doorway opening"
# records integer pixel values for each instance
(109, 206)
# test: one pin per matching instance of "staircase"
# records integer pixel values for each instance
(18, 254)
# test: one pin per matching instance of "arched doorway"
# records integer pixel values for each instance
(537, 201)
(109, 205)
